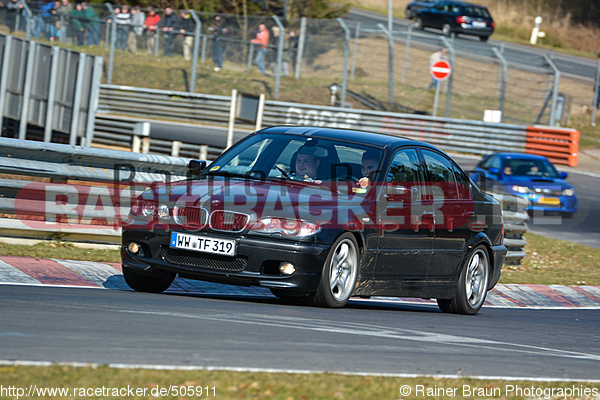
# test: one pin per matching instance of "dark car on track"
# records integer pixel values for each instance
(414, 6)
(458, 18)
(531, 177)
(322, 214)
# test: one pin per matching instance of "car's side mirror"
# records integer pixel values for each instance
(195, 167)
(563, 175)
(494, 171)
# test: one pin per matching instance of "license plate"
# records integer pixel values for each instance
(479, 24)
(552, 201)
(203, 244)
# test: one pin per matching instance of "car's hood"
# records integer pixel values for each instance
(290, 199)
(537, 182)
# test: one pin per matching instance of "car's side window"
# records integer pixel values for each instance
(441, 175)
(463, 184)
(405, 168)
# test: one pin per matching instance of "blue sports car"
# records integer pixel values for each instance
(529, 176)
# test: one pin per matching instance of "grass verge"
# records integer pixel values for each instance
(548, 261)
(83, 381)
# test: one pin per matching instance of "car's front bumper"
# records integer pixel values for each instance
(562, 204)
(256, 262)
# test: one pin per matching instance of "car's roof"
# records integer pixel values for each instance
(350, 135)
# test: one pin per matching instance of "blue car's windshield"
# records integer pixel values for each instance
(529, 167)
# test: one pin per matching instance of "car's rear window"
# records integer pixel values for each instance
(474, 11)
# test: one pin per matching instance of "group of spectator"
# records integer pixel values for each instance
(78, 23)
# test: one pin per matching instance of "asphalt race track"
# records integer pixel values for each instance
(86, 325)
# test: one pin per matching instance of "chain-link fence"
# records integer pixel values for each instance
(371, 68)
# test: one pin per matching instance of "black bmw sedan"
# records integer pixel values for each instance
(322, 214)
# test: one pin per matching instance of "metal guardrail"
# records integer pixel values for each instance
(450, 134)
(87, 191)
(74, 193)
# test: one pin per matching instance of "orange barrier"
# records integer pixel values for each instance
(559, 145)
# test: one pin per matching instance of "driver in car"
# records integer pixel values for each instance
(306, 165)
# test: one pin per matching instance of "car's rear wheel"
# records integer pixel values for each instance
(339, 273)
(151, 282)
(472, 285)
(447, 30)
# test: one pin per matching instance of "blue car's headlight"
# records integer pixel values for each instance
(568, 192)
(521, 189)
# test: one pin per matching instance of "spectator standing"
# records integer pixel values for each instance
(123, 21)
(220, 32)
(441, 54)
(13, 7)
(137, 28)
(293, 46)
(77, 17)
(261, 41)
(151, 27)
(186, 28)
(63, 12)
(92, 24)
(168, 25)
(37, 25)
(48, 13)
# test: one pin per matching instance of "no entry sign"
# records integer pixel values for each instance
(441, 70)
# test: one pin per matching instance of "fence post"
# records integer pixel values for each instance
(406, 51)
(554, 89)
(450, 48)
(27, 90)
(279, 55)
(4, 77)
(195, 51)
(77, 100)
(300, 53)
(390, 64)
(357, 34)
(596, 89)
(346, 54)
(113, 38)
(51, 94)
(232, 113)
(93, 100)
(503, 84)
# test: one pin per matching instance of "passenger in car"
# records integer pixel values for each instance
(370, 161)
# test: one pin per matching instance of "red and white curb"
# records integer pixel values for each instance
(54, 272)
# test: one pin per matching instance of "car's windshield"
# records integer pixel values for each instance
(529, 167)
(281, 156)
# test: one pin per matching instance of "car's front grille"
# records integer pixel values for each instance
(189, 216)
(204, 260)
(228, 221)
(547, 191)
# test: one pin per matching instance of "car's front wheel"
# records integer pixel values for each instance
(151, 282)
(339, 273)
(419, 24)
(472, 285)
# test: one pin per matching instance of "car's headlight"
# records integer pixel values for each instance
(285, 226)
(148, 208)
(521, 189)
(568, 192)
